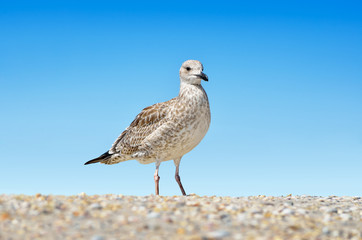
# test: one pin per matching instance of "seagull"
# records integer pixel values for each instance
(167, 130)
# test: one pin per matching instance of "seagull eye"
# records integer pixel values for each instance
(188, 68)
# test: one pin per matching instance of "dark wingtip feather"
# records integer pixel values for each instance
(98, 159)
(93, 161)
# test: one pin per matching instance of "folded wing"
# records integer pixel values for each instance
(145, 123)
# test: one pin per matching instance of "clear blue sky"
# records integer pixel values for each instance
(285, 86)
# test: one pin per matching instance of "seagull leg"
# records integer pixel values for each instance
(157, 178)
(177, 177)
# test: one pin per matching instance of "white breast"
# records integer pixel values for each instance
(195, 121)
(187, 124)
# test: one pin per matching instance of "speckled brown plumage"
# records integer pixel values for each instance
(151, 118)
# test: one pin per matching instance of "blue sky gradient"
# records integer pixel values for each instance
(285, 87)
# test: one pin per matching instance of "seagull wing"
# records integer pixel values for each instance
(145, 123)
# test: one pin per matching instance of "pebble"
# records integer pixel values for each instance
(97, 238)
(153, 215)
(94, 206)
(325, 230)
(110, 216)
(287, 211)
(217, 234)
(345, 217)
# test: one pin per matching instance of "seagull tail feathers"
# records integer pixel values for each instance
(101, 158)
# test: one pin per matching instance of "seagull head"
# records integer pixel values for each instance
(191, 72)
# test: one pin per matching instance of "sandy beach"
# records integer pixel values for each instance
(103, 217)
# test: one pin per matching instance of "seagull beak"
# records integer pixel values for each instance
(203, 76)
